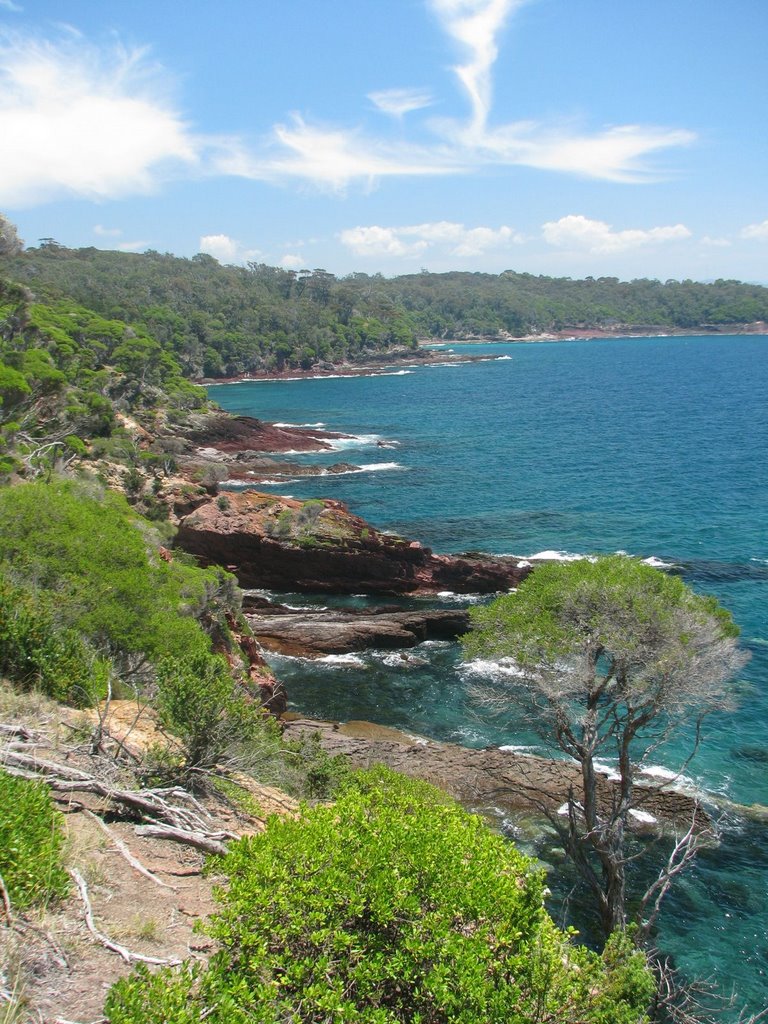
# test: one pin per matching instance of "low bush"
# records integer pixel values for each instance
(30, 843)
(393, 905)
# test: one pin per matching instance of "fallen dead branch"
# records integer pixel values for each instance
(207, 842)
(122, 848)
(128, 955)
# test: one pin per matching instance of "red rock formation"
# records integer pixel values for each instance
(285, 544)
(245, 433)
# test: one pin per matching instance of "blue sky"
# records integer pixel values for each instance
(564, 137)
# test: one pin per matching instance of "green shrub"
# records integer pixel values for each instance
(99, 562)
(37, 654)
(393, 905)
(30, 843)
(199, 701)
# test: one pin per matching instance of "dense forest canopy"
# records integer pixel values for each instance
(225, 320)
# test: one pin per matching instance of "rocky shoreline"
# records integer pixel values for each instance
(491, 778)
(318, 546)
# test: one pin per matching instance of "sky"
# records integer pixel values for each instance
(623, 138)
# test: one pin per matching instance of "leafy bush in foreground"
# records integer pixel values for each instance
(391, 905)
(30, 843)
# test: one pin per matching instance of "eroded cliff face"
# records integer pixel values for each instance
(284, 544)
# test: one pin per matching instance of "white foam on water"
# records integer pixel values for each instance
(373, 467)
(643, 816)
(608, 770)
(515, 748)
(390, 373)
(560, 556)
(657, 563)
(524, 564)
(450, 595)
(500, 359)
(343, 660)
(505, 668)
(657, 771)
(246, 484)
(401, 660)
(338, 444)
(313, 426)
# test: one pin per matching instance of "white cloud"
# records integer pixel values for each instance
(332, 157)
(716, 243)
(292, 262)
(227, 250)
(400, 101)
(416, 239)
(76, 121)
(758, 231)
(102, 232)
(595, 236)
(9, 5)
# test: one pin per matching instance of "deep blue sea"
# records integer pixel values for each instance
(653, 446)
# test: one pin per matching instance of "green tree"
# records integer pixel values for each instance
(613, 657)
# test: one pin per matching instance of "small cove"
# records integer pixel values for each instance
(652, 446)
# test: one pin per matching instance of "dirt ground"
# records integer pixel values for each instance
(51, 965)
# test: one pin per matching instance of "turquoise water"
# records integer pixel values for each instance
(651, 446)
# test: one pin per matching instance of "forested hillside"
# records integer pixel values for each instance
(224, 320)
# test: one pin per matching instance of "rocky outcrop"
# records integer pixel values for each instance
(227, 433)
(319, 546)
(485, 778)
(334, 632)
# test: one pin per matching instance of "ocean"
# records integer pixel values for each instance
(652, 446)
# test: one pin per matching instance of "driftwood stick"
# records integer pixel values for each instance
(118, 843)
(206, 842)
(127, 954)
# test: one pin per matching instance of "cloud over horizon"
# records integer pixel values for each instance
(595, 236)
(417, 239)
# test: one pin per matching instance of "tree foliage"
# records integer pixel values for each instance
(218, 321)
(88, 564)
(613, 656)
(391, 905)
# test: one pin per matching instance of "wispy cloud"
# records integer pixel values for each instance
(227, 250)
(398, 102)
(475, 25)
(334, 157)
(102, 232)
(94, 123)
(415, 240)
(576, 232)
(757, 231)
(9, 5)
(79, 121)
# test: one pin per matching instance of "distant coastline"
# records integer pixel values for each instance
(432, 350)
